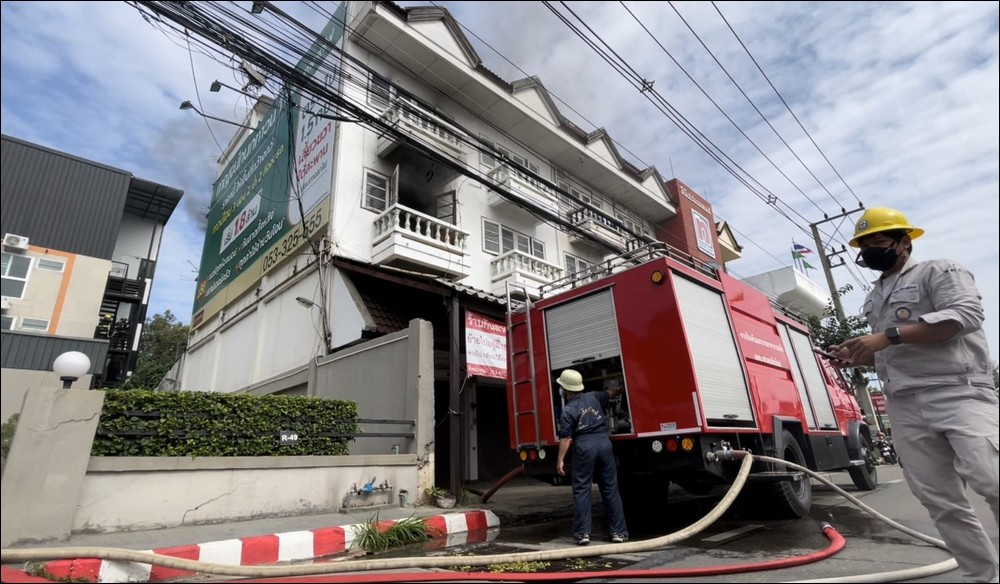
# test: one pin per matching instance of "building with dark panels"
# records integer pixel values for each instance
(80, 242)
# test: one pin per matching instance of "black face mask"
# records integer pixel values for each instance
(879, 259)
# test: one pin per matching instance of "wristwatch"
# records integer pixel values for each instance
(892, 333)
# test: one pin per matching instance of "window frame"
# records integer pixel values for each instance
(41, 266)
(376, 97)
(578, 261)
(39, 328)
(365, 194)
(27, 273)
(534, 247)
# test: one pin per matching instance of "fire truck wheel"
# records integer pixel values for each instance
(793, 499)
(865, 477)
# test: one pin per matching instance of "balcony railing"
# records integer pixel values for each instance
(598, 225)
(520, 268)
(521, 185)
(410, 119)
(404, 236)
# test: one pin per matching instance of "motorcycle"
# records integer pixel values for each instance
(886, 451)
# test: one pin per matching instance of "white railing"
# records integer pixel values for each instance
(517, 261)
(526, 187)
(410, 223)
(409, 116)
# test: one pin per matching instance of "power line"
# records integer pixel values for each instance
(780, 97)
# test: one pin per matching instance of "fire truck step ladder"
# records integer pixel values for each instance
(516, 376)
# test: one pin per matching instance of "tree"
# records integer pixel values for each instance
(829, 330)
(162, 342)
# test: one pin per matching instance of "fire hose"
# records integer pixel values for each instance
(747, 459)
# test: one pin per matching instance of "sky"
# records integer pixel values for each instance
(827, 105)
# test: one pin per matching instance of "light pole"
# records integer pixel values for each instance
(70, 366)
(187, 105)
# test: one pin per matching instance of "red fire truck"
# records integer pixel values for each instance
(707, 363)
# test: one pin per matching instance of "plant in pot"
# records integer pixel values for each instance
(441, 497)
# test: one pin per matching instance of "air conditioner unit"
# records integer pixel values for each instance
(4, 303)
(12, 241)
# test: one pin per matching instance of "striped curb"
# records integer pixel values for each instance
(448, 529)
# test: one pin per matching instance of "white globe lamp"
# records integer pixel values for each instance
(70, 366)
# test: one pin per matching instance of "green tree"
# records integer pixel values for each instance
(162, 342)
(829, 330)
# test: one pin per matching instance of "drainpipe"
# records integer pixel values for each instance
(454, 401)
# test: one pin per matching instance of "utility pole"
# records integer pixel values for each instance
(861, 393)
(827, 269)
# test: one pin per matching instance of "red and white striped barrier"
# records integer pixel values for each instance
(448, 529)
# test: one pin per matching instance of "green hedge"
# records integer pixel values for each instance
(155, 423)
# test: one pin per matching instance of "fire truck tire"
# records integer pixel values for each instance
(865, 477)
(792, 499)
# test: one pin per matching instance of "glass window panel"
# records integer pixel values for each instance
(491, 236)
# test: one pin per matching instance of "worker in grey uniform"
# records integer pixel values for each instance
(930, 352)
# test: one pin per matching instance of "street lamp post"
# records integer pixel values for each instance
(70, 366)
(187, 105)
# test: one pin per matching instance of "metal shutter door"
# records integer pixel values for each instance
(800, 385)
(815, 382)
(717, 366)
(582, 329)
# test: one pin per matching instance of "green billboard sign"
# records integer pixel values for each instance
(274, 194)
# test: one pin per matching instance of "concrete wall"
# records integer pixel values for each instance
(45, 470)
(134, 493)
(390, 378)
(16, 383)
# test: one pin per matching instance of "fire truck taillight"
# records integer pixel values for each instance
(671, 445)
(687, 445)
(657, 446)
(656, 277)
(532, 455)
(541, 454)
(523, 455)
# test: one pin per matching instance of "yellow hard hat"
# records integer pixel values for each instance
(570, 380)
(878, 219)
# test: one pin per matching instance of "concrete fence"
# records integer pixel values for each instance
(52, 487)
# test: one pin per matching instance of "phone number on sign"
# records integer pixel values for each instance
(292, 241)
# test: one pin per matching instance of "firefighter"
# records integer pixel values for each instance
(583, 425)
(931, 355)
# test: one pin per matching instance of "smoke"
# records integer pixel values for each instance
(187, 158)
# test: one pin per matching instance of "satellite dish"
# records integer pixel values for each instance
(256, 77)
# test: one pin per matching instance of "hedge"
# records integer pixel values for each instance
(189, 423)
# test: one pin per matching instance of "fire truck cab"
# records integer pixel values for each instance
(706, 363)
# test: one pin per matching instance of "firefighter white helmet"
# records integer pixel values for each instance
(570, 380)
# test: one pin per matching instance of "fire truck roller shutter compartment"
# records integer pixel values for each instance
(725, 396)
(582, 330)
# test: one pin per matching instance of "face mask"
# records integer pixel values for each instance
(879, 259)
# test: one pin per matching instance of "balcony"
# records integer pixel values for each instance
(410, 120)
(524, 187)
(598, 226)
(405, 238)
(521, 269)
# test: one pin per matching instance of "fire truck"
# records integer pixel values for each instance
(706, 363)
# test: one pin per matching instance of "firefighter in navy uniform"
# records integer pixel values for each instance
(931, 355)
(583, 425)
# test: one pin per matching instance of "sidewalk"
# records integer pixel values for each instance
(298, 538)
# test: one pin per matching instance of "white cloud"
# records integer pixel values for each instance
(901, 97)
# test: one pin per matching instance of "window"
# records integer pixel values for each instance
(376, 191)
(489, 161)
(8, 323)
(34, 324)
(52, 265)
(498, 239)
(379, 92)
(15, 274)
(575, 264)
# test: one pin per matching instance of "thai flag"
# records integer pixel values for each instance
(800, 249)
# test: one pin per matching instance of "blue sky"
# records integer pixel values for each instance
(901, 98)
